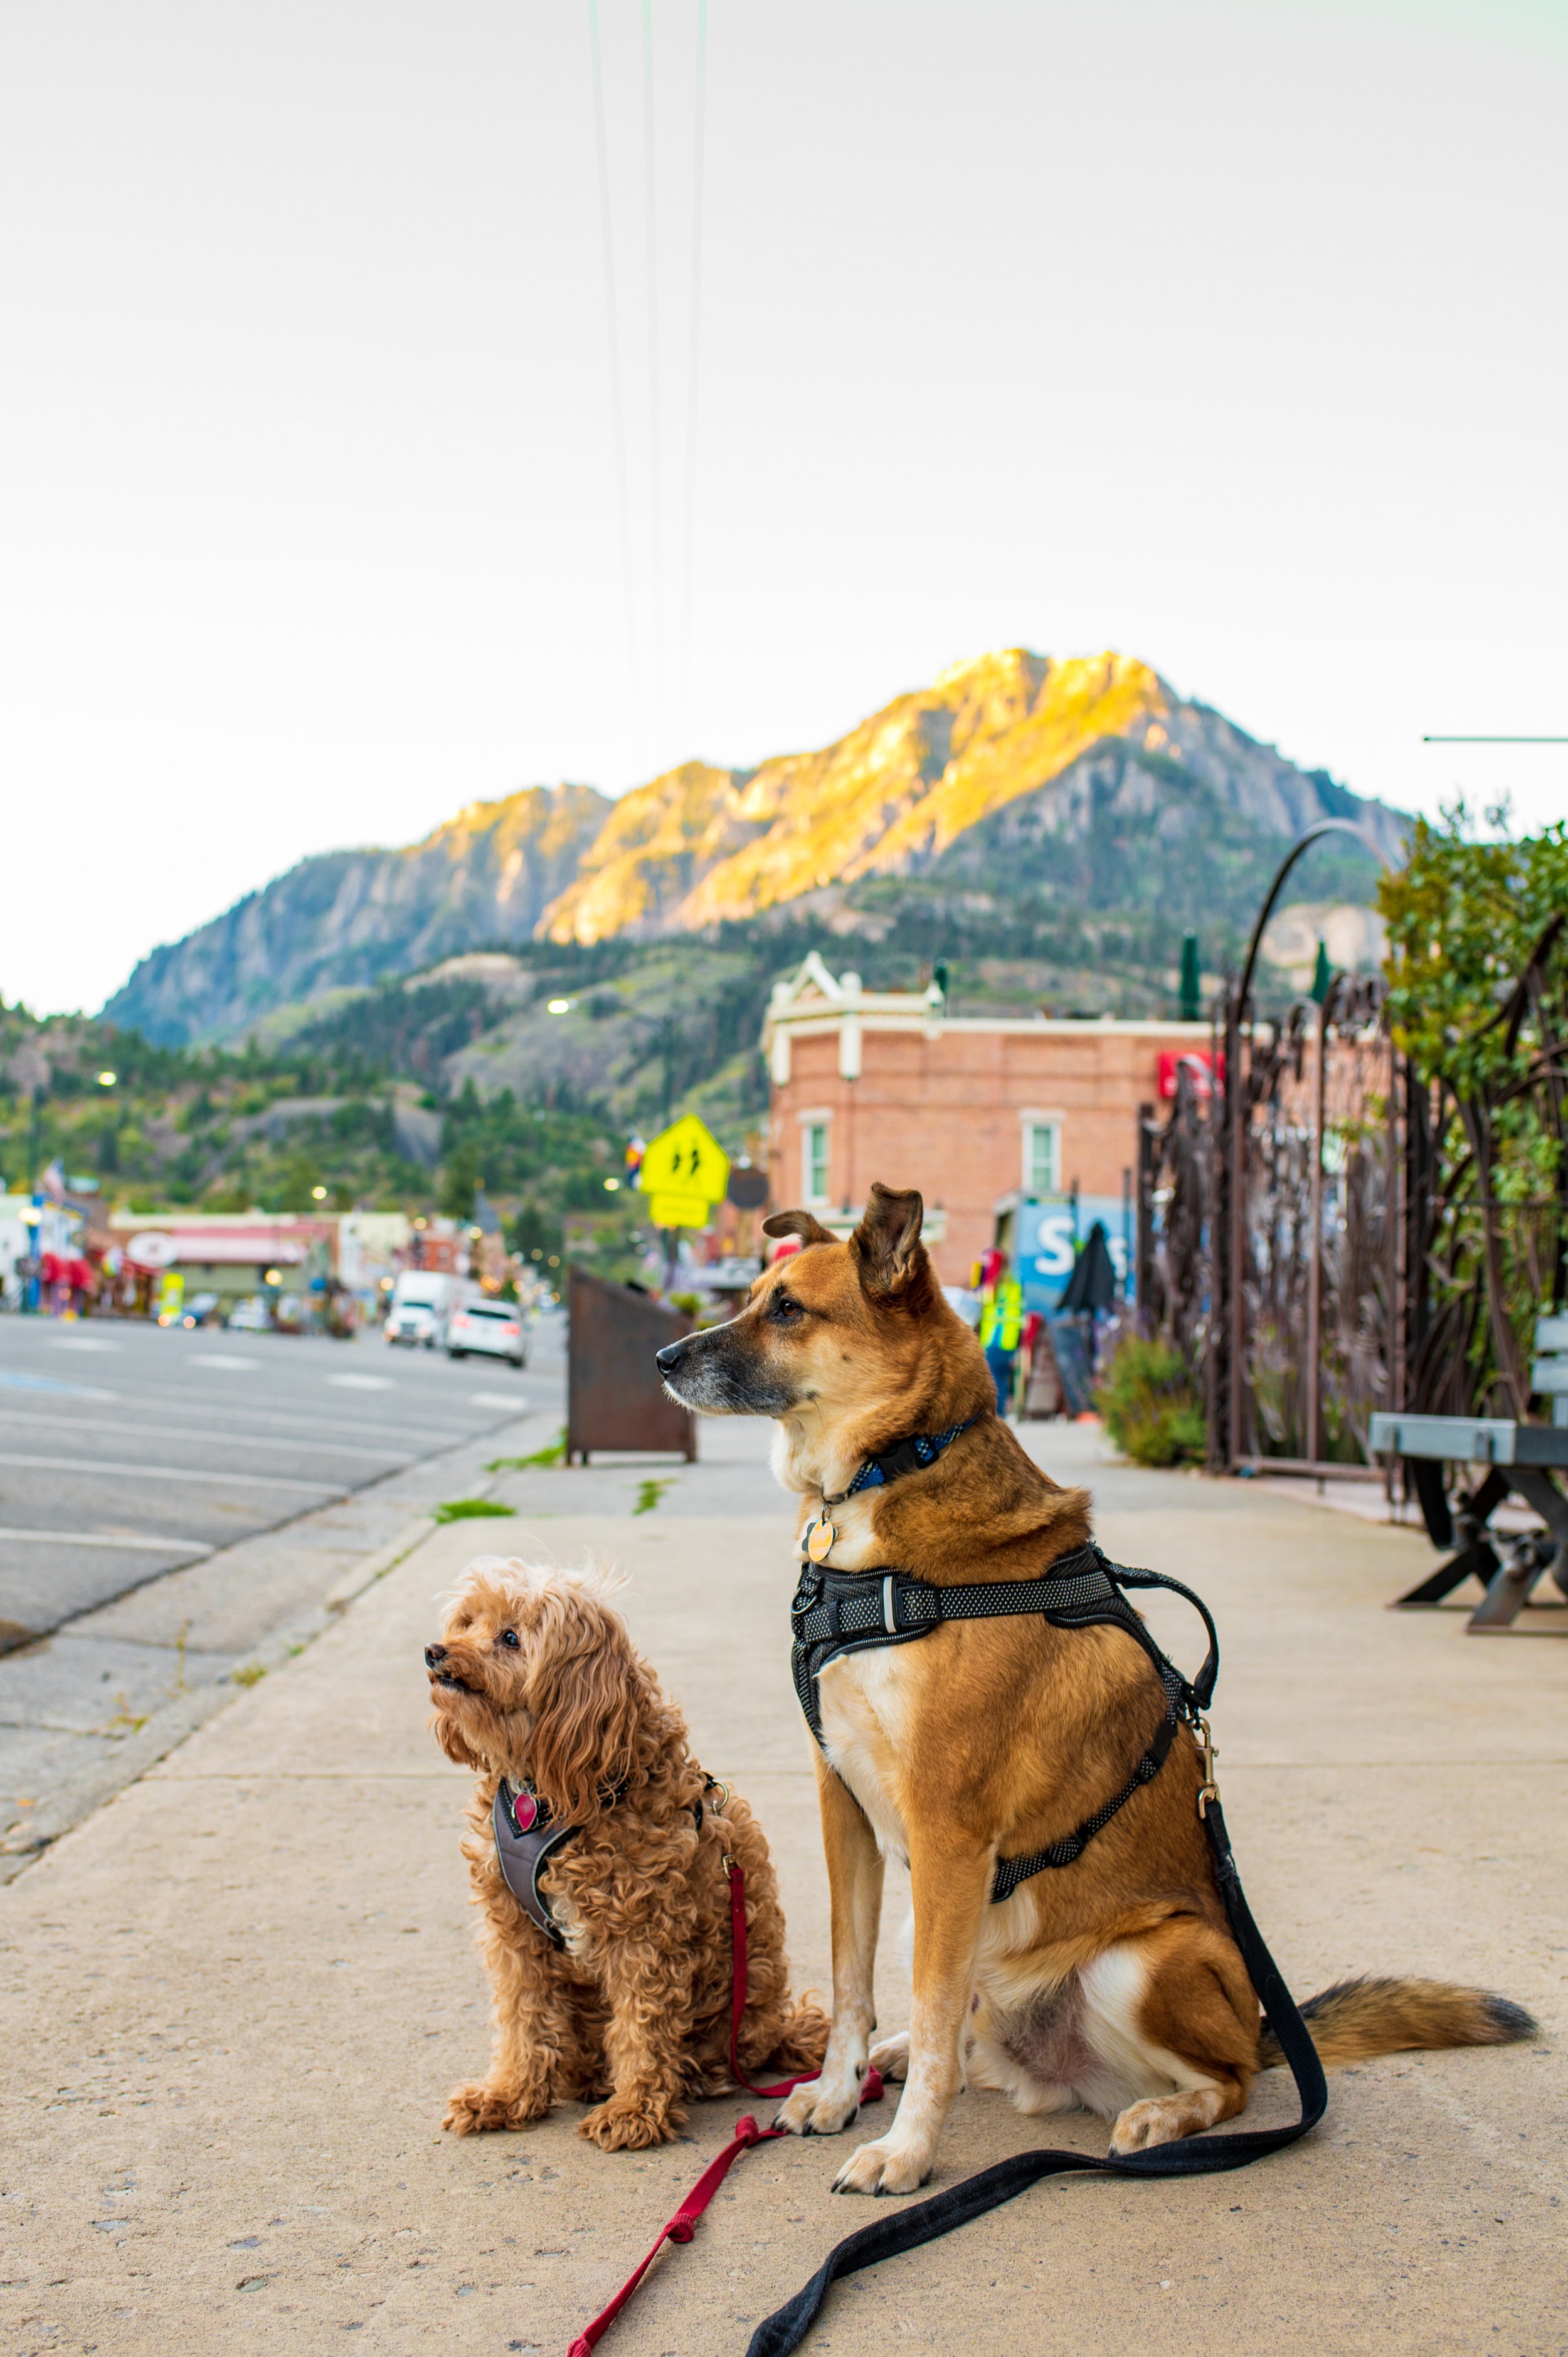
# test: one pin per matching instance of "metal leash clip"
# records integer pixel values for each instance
(1210, 1753)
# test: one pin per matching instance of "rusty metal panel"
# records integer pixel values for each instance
(614, 1395)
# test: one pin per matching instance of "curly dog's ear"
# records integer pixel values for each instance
(586, 1696)
(452, 1743)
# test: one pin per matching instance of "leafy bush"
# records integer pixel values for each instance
(1151, 1405)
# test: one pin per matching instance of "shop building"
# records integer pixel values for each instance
(1014, 1128)
(231, 1254)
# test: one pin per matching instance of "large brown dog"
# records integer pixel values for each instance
(535, 1679)
(1113, 1983)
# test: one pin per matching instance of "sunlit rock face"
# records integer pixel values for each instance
(348, 918)
(1010, 731)
(1086, 783)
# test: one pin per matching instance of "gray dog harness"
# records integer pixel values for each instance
(838, 1613)
(527, 1838)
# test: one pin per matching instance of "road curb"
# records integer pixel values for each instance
(78, 1796)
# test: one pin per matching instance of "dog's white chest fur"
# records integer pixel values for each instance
(863, 1704)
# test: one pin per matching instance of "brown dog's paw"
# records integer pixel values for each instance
(475, 2107)
(624, 2125)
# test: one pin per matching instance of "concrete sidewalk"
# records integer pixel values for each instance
(233, 2000)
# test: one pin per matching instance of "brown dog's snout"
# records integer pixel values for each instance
(433, 1656)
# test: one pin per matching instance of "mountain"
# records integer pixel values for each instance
(1065, 815)
(352, 916)
(905, 793)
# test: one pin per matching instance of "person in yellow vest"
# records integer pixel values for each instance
(1001, 1325)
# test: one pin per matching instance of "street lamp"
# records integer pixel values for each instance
(107, 1080)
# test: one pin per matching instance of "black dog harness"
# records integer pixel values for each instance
(528, 1836)
(837, 1612)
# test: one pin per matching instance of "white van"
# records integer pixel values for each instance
(420, 1302)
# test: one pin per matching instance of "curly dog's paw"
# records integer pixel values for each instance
(625, 2125)
(476, 2106)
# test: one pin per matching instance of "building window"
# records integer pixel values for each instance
(814, 1161)
(1042, 1157)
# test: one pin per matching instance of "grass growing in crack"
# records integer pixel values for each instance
(552, 1455)
(464, 1509)
(252, 1674)
(649, 1493)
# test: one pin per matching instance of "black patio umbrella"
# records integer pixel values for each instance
(1092, 1284)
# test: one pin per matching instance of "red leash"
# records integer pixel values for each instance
(683, 2224)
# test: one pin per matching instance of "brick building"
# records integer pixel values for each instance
(1031, 1121)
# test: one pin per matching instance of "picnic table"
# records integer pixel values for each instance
(1521, 1459)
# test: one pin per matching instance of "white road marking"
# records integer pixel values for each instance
(500, 1399)
(430, 1430)
(81, 1342)
(12, 1382)
(173, 1473)
(363, 1383)
(228, 1439)
(222, 1359)
(97, 1538)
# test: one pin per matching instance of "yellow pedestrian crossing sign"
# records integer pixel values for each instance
(685, 1172)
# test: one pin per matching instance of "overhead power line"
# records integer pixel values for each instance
(654, 455)
(693, 353)
(612, 323)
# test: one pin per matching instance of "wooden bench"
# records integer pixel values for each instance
(1518, 1457)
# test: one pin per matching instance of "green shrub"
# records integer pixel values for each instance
(1151, 1405)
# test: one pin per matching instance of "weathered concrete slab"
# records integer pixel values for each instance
(240, 1992)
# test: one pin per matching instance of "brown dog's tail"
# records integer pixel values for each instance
(803, 2041)
(1356, 2020)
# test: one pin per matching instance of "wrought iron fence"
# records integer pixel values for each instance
(1322, 1233)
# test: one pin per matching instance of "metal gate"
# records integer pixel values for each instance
(1322, 1233)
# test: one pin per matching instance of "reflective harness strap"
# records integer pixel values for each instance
(837, 1612)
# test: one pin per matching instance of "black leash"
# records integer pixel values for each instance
(924, 2222)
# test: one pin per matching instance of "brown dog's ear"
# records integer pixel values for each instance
(887, 1241)
(452, 1743)
(798, 1223)
(587, 1692)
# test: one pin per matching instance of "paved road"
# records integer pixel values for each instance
(126, 1452)
(175, 1508)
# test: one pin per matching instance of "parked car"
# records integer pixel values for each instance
(201, 1309)
(249, 1316)
(495, 1329)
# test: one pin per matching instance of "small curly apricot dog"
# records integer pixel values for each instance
(536, 1682)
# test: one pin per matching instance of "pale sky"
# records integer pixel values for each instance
(1232, 338)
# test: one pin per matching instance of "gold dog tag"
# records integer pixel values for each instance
(819, 1539)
